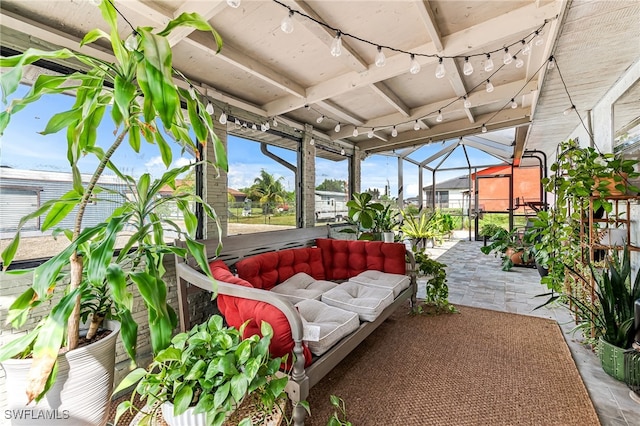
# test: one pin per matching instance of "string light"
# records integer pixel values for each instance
(519, 62)
(489, 86)
(551, 63)
(538, 40)
(192, 91)
(342, 151)
(394, 132)
(254, 127)
(320, 119)
(209, 108)
(467, 102)
(526, 48)
(275, 122)
(488, 65)
(568, 110)
(468, 68)
(336, 45)
(380, 58)
(132, 42)
(233, 3)
(370, 133)
(416, 126)
(484, 128)
(439, 118)
(312, 142)
(263, 127)
(266, 125)
(440, 70)
(355, 132)
(307, 107)
(223, 118)
(514, 104)
(337, 128)
(287, 23)
(237, 123)
(507, 58)
(414, 67)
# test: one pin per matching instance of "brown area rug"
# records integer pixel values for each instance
(478, 367)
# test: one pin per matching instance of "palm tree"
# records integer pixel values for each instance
(268, 190)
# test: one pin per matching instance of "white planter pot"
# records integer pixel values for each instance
(81, 394)
(388, 237)
(185, 419)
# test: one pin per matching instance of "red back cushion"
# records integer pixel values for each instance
(344, 259)
(237, 311)
(269, 269)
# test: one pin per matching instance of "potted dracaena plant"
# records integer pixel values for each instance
(90, 278)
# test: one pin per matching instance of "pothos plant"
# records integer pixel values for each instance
(89, 277)
(437, 291)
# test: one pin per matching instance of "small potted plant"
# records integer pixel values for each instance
(362, 215)
(385, 222)
(205, 374)
(511, 247)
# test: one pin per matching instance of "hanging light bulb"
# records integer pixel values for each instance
(244, 124)
(488, 65)
(538, 40)
(223, 118)
(254, 127)
(489, 86)
(342, 151)
(132, 42)
(551, 63)
(514, 104)
(287, 23)
(233, 3)
(507, 58)
(237, 123)
(467, 102)
(337, 128)
(370, 133)
(307, 107)
(355, 132)
(319, 119)
(414, 68)
(275, 122)
(336, 45)
(484, 128)
(263, 127)
(440, 70)
(439, 117)
(519, 62)
(312, 142)
(209, 108)
(394, 132)
(526, 48)
(192, 91)
(266, 125)
(380, 58)
(416, 125)
(468, 68)
(568, 110)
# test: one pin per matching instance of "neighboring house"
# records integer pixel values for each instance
(331, 205)
(24, 191)
(492, 186)
(452, 193)
(238, 197)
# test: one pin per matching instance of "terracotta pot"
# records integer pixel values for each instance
(611, 185)
(81, 394)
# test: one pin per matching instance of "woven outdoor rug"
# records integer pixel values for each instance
(478, 367)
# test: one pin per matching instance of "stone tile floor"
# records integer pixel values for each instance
(475, 279)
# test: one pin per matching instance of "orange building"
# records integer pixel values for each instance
(500, 189)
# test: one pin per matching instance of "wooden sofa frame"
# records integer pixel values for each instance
(238, 247)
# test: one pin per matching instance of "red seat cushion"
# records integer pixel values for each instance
(266, 270)
(344, 259)
(237, 311)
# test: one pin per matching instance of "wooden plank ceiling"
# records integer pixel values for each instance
(263, 73)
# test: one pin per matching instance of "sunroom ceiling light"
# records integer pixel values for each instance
(336, 45)
(526, 48)
(355, 132)
(519, 62)
(416, 125)
(337, 128)
(568, 110)
(440, 70)
(132, 42)
(209, 108)
(263, 127)
(312, 142)
(233, 3)
(489, 86)
(223, 118)
(319, 119)
(370, 133)
(192, 91)
(275, 122)
(488, 65)
(538, 40)
(307, 107)
(394, 132)
(468, 68)
(342, 151)
(507, 58)
(551, 63)
(439, 117)
(467, 102)
(237, 123)
(287, 23)
(484, 128)
(514, 104)
(254, 127)
(414, 67)
(380, 58)
(266, 125)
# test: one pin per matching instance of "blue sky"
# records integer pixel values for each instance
(23, 147)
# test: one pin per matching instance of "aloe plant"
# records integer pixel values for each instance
(139, 85)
